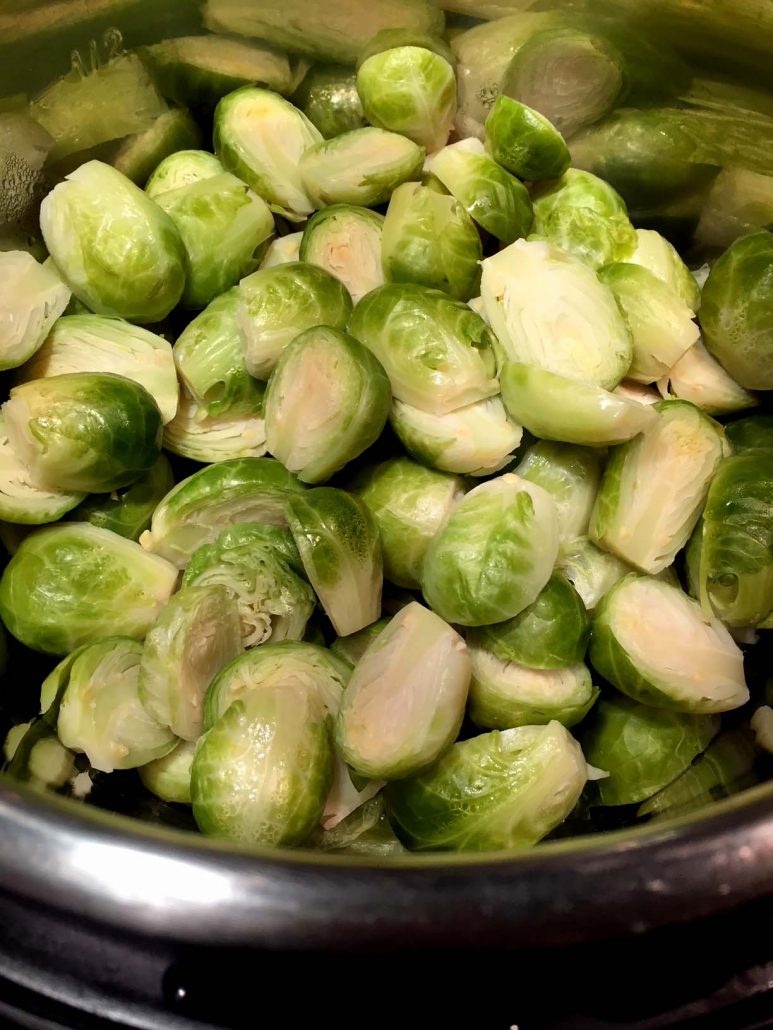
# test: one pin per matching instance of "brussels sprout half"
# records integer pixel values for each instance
(700, 379)
(206, 438)
(33, 297)
(22, 502)
(571, 475)
(591, 571)
(524, 142)
(283, 251)
(345, 240)
(657, 255)
(183, 168)
(169, 778)
(128, 512)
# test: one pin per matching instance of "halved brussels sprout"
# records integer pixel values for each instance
(751, 434)
(657, 255)
(736, 546)
(291, 663)
(363, 166)
(494, 555)
(283, 251)
(654, 487)
(700, 379)
(328, 97)
(552, 633)
(169, 778)
(345, 240)
(32, 299)
(591, 571)
(496, 791)
(223, 225)
(436, 351)
(643, 749)
(548, 309)
(221, 495)
(583, 215)
(654, 644)
(365, 831)
(339, 544)
(281, 302)
(183, 168)
(505, 694)
(84, 432)
(21, 501)
(327, 401)
(95, 343)
(195, 636)
(261, 137)
(73, 584)
(496, 200)
(101, 714)
(430, 239)
(274, 793)
(417, 666)
(739, 202)
(411, 90)
(476, 440)
(258, 566)
(735, 311)
(117, 250)
(555, 407)
(206, 438)
(661, 324)
(410, 504)
(571, 475)
(128, 512)
(524, 142)
(353, 647)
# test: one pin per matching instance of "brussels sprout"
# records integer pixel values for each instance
(169, 778)
(338, 540)
(229, 492)
(436, 351)
(410, 90)
(751, 434)
(499, 790)
(418, 666)
(524, 141)
(591, 571)
(195, 636)
(101, 714)
(128, 512)
(583, 215)
(406, 36)
(571, 76)
(661, 323)
(660, 257)
(261, 774)
(410, 504)
(118, 251)
(258, 565)
(32, 299)
(366, 831)
(555, 407)
(736, 311)
(353, 647)
(552, 633)
(655, 486)
(95, 343)
(571, 475)
(261, 137)
(36, 756)
(223, 225)
(724, 768)
(736, 547)
(345, 240)
(643, 749)
(700, 379)
(83, 432)
(137, 156)
(72, 584)
(654, 644)
(183, 168)
(548, 309)
(640, 393)
(476, 440)
(283, 251)
(430, 239)
(279, 303)
(363, 166)
(289, 663)
(496, 200)
(194, 434)
(494, 555)
(328, 97)
(505, 694)
(739, 202)
(21, 501)
(327, 401)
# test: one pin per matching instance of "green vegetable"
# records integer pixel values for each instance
(660, 257)
(128, 512)
(33, 298)
(365, 831)
(591, 571)
(353, 647)
(571, 475)
(700, 379)
(183, 168)
(169, 778)
(283, 250)
(751, 434)
(524, 142)
(194, 434)
(22, 502)
(328, 97)
(137, 155)
(345, 240)
(739, 202)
